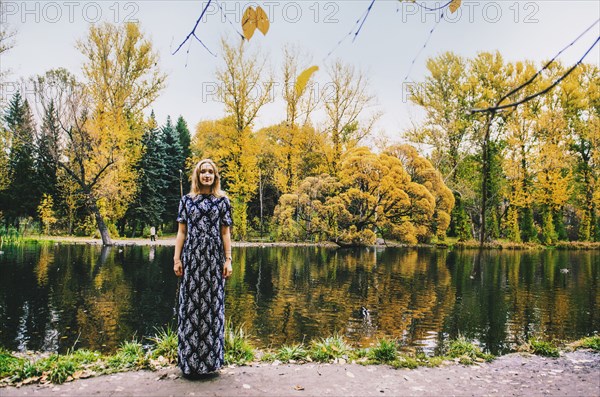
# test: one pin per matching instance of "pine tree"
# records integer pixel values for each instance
(174, 163)
(20, 198)
(149, 203)
(45, 164)
(185, 141)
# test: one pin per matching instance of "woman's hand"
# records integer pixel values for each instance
(227, 270)
(178, 268)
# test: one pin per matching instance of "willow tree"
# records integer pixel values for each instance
(421, 171)
(373, 193)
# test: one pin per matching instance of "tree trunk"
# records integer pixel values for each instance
(106, 241)
(485, 177)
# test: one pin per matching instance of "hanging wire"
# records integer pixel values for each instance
(551, 86)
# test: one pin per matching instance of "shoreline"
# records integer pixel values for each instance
(516, 374)
(469, 245)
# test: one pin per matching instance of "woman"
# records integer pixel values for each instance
(203, 260)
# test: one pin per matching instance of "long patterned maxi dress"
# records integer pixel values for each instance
(201, 312)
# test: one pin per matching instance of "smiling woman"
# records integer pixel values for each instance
(203, 260)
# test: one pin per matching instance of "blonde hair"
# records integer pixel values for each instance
(215, 189)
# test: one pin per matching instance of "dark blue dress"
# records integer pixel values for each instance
(201, 312)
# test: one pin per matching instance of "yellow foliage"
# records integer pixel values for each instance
(303, 79)
(254, 19)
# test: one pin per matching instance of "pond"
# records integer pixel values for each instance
(55, 297)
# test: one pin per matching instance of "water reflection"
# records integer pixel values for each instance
(54, 297)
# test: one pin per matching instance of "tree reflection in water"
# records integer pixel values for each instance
(53, 297)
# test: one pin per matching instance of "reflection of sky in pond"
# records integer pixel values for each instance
(55, 297)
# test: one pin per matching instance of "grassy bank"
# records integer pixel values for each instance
(449, 243)
(21, 369)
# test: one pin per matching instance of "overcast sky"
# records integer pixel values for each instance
(391, 38)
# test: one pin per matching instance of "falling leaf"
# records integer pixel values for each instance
(249, 22)
(262, 21)
(454, 6)
(298, 387)
(254, 19)
(303, 78)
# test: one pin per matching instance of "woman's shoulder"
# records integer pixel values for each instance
(223, 198)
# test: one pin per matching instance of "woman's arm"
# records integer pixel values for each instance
(226, 236)
(179, 240)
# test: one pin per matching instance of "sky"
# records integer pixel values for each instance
(391, 49)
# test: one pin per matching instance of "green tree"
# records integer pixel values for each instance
(20, 198)
(102, 120)
(150, 200)
(174, 163)
(47, 147)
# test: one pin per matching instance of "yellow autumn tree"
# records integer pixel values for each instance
(346, 99)
(580, 101)
(236, 156)
(123, 79)
(553, 167)
(244, 88)
(101, 118)
(518, 156)
(421, 171)
(372, 194)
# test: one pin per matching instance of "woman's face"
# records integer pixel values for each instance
(207, 175)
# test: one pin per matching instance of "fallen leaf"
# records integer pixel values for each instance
(298, 387)
(349, 374)
(246, 386)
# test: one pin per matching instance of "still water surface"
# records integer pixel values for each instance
(54, 297)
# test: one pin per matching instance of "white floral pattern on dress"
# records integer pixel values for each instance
(201, 311)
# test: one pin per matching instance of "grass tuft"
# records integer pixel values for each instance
(129, 355)
(466, 351)
(592, 342)
(328, 349)
(238, 349)
(384, 352)
(165, 344)
(294, 352)
(543, 348)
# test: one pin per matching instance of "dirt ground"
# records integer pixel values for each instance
(573, 374)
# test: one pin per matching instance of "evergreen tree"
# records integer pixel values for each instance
(149, 202)
(527, 226)
(174, 163)
(46, 167)
(20, 198)
(185, 140)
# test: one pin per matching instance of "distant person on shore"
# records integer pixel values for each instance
(152, 233)
(203, 261)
